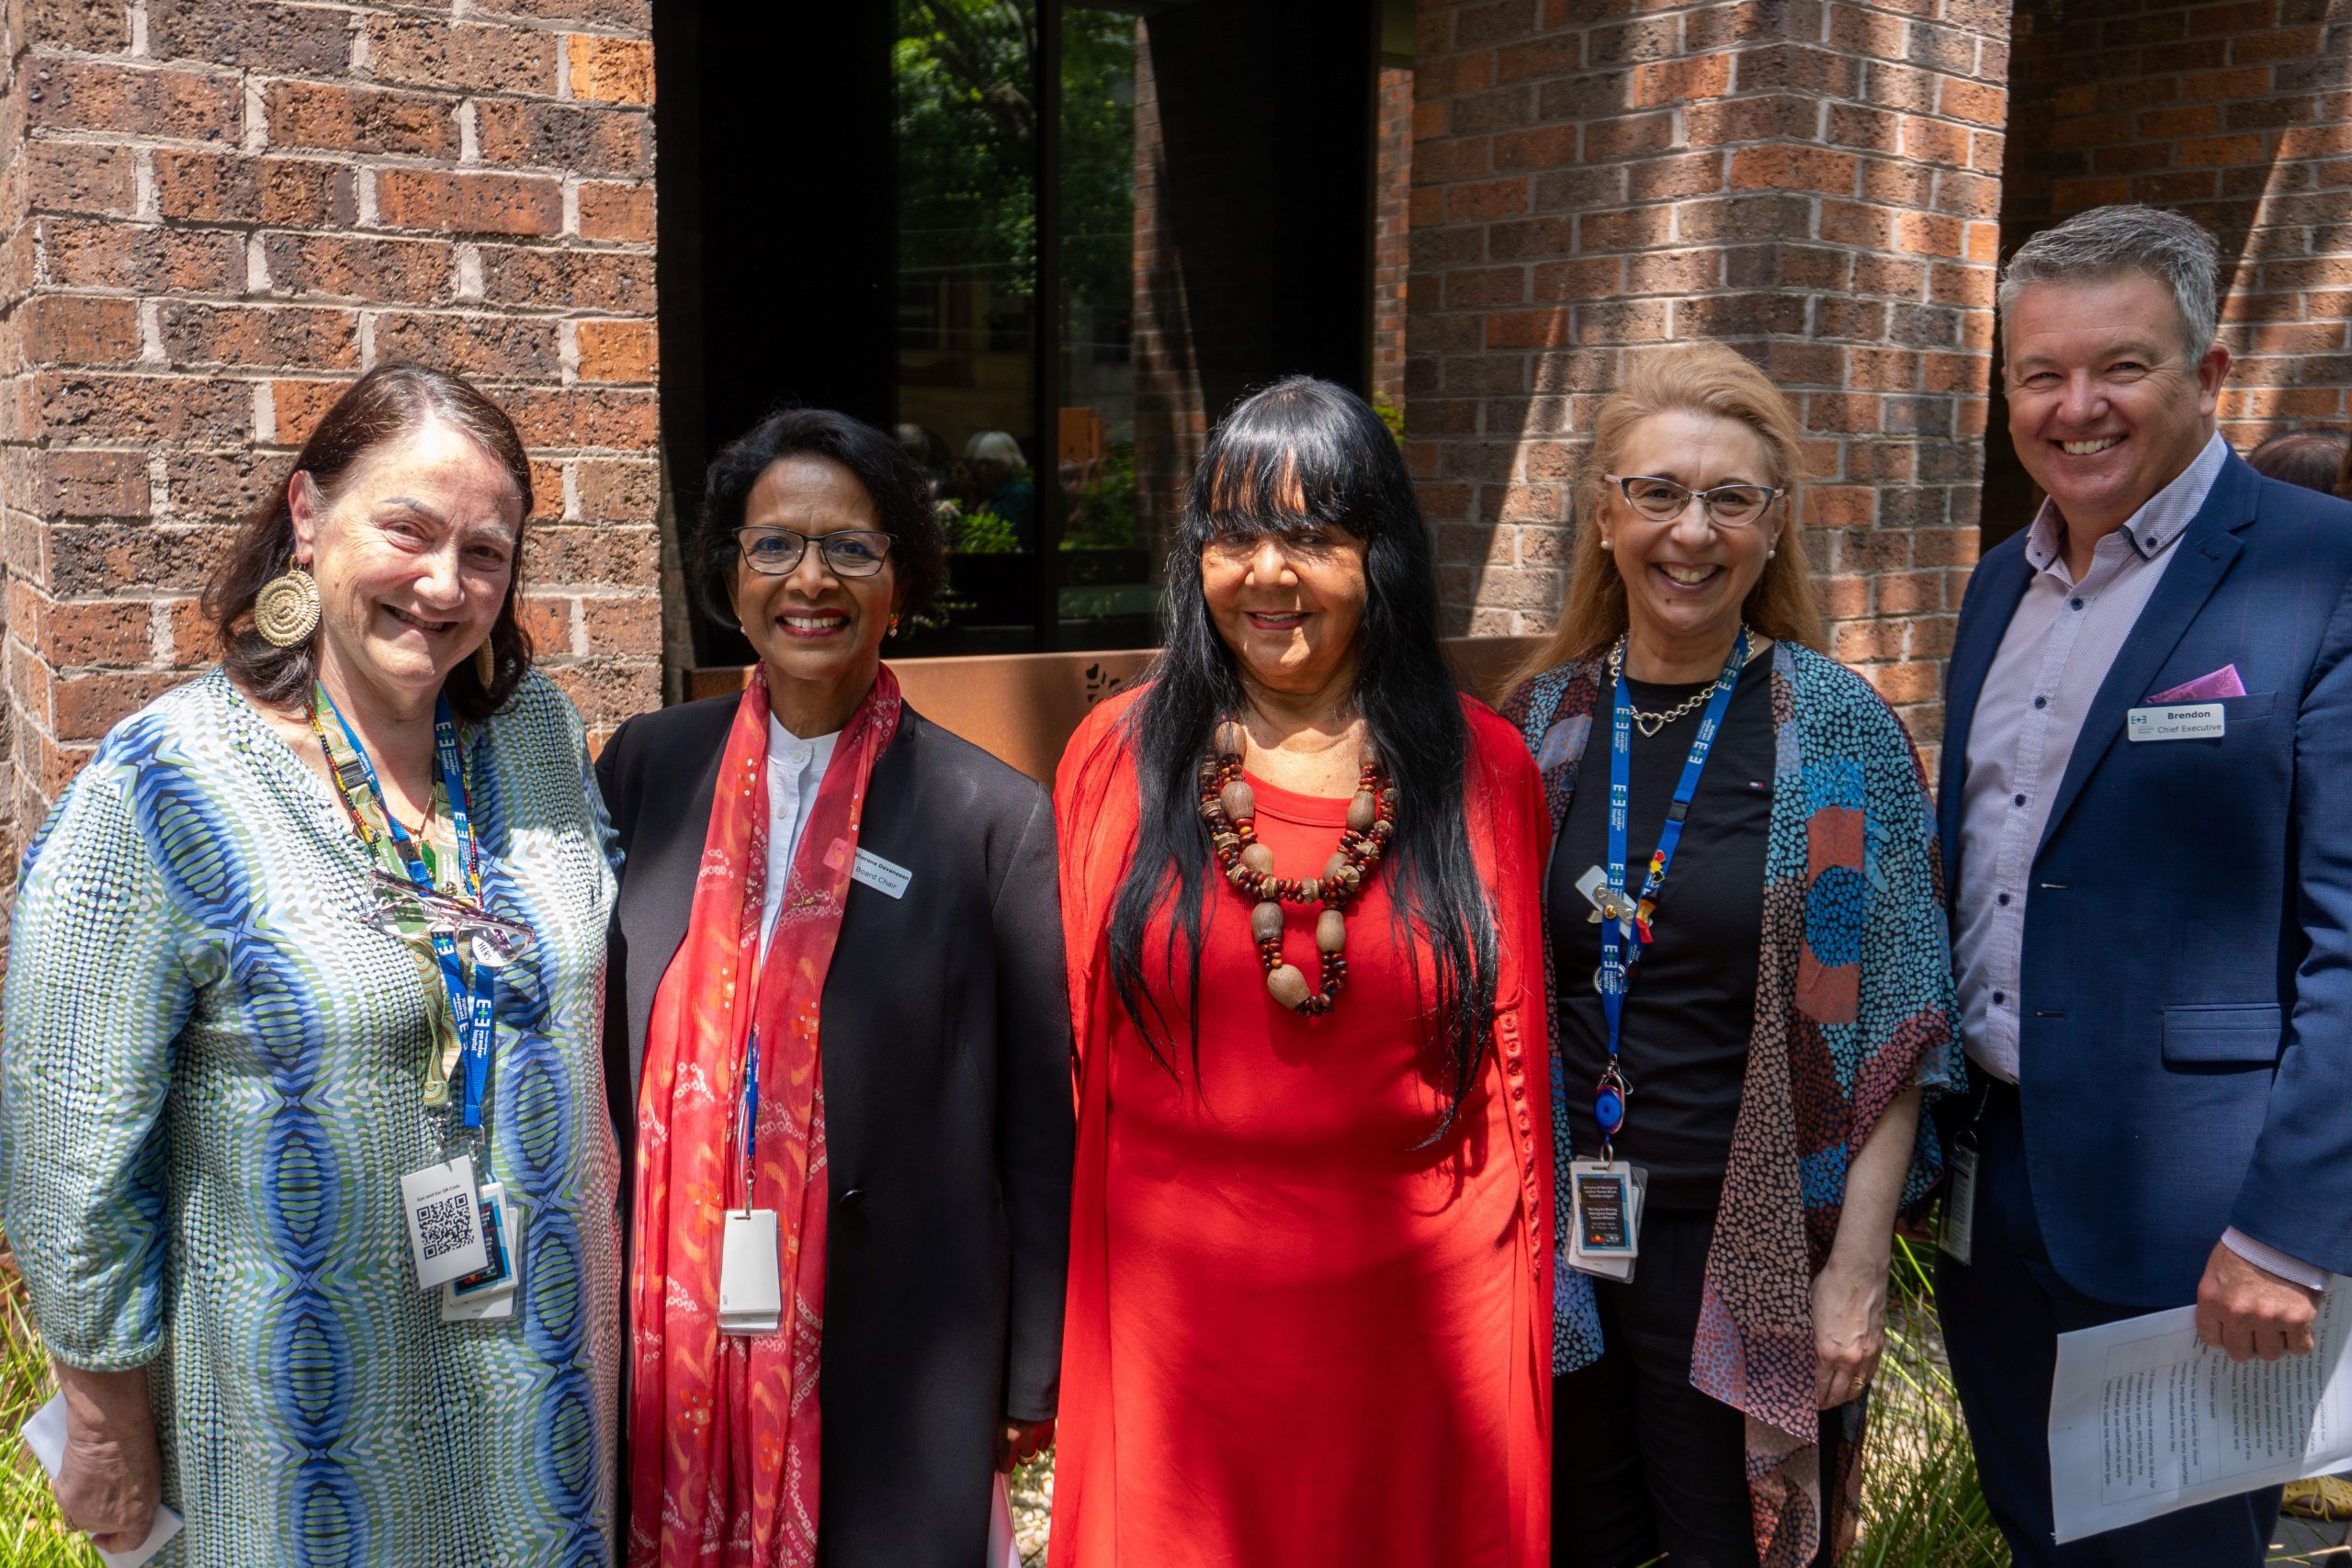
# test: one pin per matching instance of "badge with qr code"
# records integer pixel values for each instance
(443, 1213)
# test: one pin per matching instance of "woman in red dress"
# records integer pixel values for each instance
(1309, 1311)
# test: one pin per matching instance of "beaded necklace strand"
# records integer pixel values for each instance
(1230, 808)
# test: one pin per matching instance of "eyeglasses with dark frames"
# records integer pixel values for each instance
(1727, 506)
(776, 552)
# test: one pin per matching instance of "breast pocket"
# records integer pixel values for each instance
(2223, 1035)
(2217, 804)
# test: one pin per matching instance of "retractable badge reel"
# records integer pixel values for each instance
(750, 1283)
(1606, 1193)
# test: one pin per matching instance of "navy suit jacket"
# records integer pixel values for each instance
(2185, 1048)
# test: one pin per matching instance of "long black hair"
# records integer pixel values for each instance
(1305, 455)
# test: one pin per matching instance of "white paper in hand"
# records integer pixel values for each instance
(45, 1435)
(2144, 1419)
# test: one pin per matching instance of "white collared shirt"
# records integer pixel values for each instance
(795, 768)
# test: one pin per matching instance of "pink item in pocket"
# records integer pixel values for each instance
(2221, 682)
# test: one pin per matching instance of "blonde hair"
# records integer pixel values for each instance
(1699, 378)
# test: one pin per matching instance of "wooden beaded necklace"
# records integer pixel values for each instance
(1230, 808)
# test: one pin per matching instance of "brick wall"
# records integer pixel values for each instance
(1817, 184)
(1392, 241)
(2238, 114)
(218, 212)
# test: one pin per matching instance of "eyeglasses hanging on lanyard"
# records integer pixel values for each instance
(1617, 960)
(471, 1004)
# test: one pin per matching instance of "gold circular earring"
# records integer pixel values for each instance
(286, 611)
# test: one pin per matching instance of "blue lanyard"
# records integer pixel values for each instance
(751, 1117)
(1616, 961)
(471, 1006)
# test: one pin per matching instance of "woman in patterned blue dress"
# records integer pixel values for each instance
(229, 1032)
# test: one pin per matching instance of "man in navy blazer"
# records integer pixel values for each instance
(2147, 756)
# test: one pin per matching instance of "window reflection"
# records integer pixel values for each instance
(1090, 268)
(966, 307)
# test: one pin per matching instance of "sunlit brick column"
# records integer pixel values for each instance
(1816, 183)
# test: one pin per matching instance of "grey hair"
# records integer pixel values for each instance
(2108, 241)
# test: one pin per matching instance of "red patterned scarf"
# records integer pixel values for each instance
(723, 1429)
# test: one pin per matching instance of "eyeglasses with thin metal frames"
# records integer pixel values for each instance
(849, 552)
(1727, 506)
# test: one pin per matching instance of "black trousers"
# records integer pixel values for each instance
(1644, 1466)
(2002, 1314)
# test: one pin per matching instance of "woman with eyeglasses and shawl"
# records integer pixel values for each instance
(1751, 992)
(838, 1047)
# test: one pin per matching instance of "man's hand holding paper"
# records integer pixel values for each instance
(2244, 1311)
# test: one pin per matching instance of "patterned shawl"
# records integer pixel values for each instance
(1853, 1007)
(723, 1429)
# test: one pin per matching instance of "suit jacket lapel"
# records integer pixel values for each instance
(1978, 639)
(2206, 548)
(664, 860)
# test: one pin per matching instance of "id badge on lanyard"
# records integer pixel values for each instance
(751, 1273)
(1607, 1194)
(463, 1236)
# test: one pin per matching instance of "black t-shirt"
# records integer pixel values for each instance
(1683, 1047)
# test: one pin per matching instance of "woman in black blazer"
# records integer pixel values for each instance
(872, 881)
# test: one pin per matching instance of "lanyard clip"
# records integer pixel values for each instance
(1609, 1097)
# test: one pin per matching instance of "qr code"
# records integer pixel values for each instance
(443, 1225)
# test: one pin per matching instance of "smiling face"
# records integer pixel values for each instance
(1687, 579)
(414, 554)
(818, 633)
(1288, 606)
(2106, 405)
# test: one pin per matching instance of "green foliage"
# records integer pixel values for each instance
(965, 140)
(1390, 416)
(32, 1534)
(982, 533)
(1922, 1505)
(967, 122)
(1104, 518)
(1098, 162)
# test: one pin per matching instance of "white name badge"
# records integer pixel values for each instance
(882, 875)
(2200, 721)
(444, 1212)
(750, 1283)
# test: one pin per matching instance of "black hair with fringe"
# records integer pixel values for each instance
(1304, 455)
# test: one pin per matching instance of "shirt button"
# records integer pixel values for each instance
(1999, 998)
(2073, 603)
(2042, 702)
(2002, 899)
(2017, 800)
(2150, 541)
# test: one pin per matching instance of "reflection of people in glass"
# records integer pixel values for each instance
(865, 876)
(1311, 1242)
(1001, 483)
(926, 451)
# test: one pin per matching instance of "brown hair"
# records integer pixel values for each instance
(386, 404)
(1702, 378)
